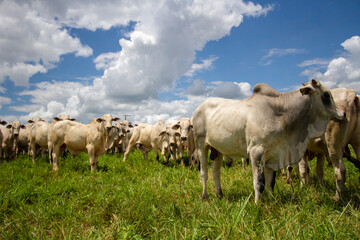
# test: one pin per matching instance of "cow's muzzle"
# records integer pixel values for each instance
(341, 115)
(183, 138)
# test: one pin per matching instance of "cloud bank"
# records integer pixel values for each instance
(342, 71)
(161, 49)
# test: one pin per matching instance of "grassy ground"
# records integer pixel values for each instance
(149, 200)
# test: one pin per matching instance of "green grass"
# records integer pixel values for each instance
(142, 199)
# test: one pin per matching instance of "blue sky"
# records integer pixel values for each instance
(160, 59)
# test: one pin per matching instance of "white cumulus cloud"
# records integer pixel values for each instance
(342, 71)
(161, 48)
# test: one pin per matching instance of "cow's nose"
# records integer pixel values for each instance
(108, 128)
(183, 138)
(172, 144)
(16, 134)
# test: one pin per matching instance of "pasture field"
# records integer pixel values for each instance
(142, 199)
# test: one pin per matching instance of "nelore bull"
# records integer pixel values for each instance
(270, 127)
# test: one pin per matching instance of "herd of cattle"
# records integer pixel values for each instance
(276, 130)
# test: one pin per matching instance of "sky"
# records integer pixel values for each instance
(159, 59)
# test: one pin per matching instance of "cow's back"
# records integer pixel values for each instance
(222, 122)
(39, 133)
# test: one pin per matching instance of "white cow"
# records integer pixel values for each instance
(108, 119)
(40, 135)
(10, 139)
(175, 145)
(337, 136)
(125, 131)
(149, 137)
(2, 129)
(185, 127)
(24, 138)
(272, 128)
(78, 137)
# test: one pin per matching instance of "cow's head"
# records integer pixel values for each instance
(63, 117)
(164, 140)
(108, 121)
(37, 119)
(322, 101)
(185, 127)
(15, 127)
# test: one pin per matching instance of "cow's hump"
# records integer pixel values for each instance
(264, 89)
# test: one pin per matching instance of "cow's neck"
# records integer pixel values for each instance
(305, 117)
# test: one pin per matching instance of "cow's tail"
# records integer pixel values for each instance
(351, 159)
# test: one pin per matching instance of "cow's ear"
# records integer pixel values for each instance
(162, 133)
(56, 119)
(23, 126)
(9, 126)
(307, 90)
(315, 83)
(116, 119)
(176, 126)
(131, 125)
(30, 121)
(99, 120)
(3, 122)
(72, 119)
(177, 134)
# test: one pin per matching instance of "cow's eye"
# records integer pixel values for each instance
(326, 98)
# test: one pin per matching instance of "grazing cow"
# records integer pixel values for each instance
(2, 129)
(272, 128)
(78, 137)
(10, 139)
(337, 136)
(149, 137)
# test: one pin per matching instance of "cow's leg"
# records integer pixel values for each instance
(50, 150)
(245, 161)
(340, 172)
(270, 177)
(258, 172)
(288, 172)
(181, 152)
(145, 154)
(304, 170)
(128, 149)
(320, 160)
(92, 157)
(202, 155)
(43, 153)
(216, 167)
(32, 151)
(55, 155)
(356, 147)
